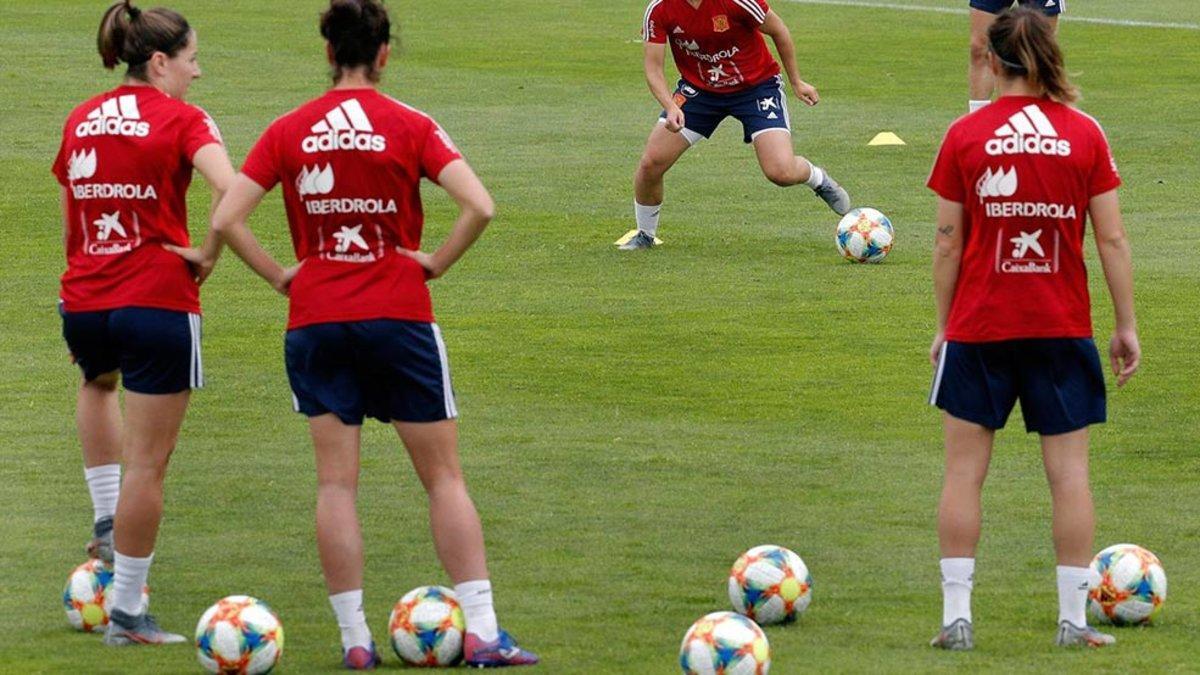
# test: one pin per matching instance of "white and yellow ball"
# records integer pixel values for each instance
(770, 584)
(427, 627)
(865, 236)
(87, 597)
(1132, 585)
(725, 643)
(239, 635)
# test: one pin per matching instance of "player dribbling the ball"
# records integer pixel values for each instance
(1017, 181)
(726, 71)
(130, 307)
(361, 338)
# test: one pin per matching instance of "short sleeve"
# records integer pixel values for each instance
(438, 151)
(1104, 175)
(200, 130)
(262, 164)
(753, 12)
(653, 28)
(946, 179)
(59, 168)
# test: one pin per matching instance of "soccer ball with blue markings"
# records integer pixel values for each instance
(865, 236)
(1132, 587)
(239, 635)
(725, 643)
(87, 597)
(427, 627)
(770, 584)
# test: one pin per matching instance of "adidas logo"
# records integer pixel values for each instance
(115, 117)
(315, 181)
(82, 164)
(1051, 3)
(677, 30)
(1030, 132)
(999, 183)
(346, 127)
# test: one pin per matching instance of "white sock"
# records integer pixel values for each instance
(104, 482)
(475, 598)
(129, 578)
(1073, 585)
(815, 177)
(958, 578)
(975, 104)
(647, 217)
(348, 607)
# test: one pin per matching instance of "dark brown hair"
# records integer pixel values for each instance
(1023, 39)
(356, 30)
(130, 36)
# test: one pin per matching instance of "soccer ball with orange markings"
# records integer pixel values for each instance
(770, 584)
(1132, 588)
(87, 597)
(725, 643)
(865, 236)
(239, 635)
(427, 627)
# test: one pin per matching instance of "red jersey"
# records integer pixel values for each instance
(351, 164)
(126, 163)
(717, 46)
(1024, 169)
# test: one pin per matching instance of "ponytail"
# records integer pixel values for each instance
(130, 36)
(1023, 41)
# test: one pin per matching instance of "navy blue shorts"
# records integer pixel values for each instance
(761, 108)
(1059, 382)
(394, 371)
(1050, 7)
(156, 350)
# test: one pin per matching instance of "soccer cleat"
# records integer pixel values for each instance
(501, 652)
(957, 637)
(101, 545)
(125, 629)
(834, 195)
(1070, 635)
(639, 240)
(361, 658)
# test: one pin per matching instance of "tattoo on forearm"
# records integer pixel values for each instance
(946, 230)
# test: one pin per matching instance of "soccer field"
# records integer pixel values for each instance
(630, 422)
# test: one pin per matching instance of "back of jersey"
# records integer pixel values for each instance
(351, 163)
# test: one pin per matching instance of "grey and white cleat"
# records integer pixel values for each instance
(957, 637)
(638, 241)
(101, 545)
(834, 195)
(1070, 635)
(124, 629)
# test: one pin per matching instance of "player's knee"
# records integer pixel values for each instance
(781, 174)
(651, 168)
(979, 49)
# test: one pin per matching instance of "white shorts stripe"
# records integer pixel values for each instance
(937, 378)
(752, 9)
(783, 102)
(447, 386)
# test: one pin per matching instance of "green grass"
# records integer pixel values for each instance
(630, 422)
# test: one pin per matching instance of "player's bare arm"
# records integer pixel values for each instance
(947, 253)
(1124, 351)
(654, 61)
(476, 210)
(777, 30)
(230, 223)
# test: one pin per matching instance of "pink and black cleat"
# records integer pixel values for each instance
(361, 658)
(499, 653)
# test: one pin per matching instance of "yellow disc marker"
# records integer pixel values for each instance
(886, 138)
(629, 235)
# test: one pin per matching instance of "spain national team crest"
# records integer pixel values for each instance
(720, 23)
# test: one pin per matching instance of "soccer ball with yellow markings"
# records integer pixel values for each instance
(770, 584)
(725, 643)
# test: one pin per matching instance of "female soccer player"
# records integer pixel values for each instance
(130, 307)
(1017, 181)
(361, 337)
(983, 13)
(726, 70)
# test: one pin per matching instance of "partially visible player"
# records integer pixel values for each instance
(726, 71)
(983, 12)
(1017, 183)
(130, 307)
(361, 338)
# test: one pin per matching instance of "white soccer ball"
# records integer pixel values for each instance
(87, 596)
(427, 627)
(239, 635)
(725, 643)
(865, 236)
(1132, 586)
(770, 584)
